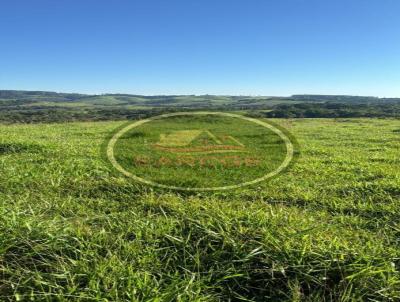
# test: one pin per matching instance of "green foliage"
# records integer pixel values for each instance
(329, 110)
(59, 115)
(327, 230)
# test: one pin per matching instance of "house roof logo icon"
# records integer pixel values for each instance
(198, 142)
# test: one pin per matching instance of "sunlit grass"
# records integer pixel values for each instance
(73, 229)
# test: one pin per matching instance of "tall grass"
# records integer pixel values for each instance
(71, 229)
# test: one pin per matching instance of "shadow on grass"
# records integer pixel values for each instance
(10, 148)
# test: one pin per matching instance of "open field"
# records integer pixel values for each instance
(72, 228)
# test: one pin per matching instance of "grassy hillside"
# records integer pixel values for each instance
(72, 229)
(39, 98)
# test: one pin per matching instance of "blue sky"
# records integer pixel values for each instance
(253, 47)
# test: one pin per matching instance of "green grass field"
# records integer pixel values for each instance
(73, 229)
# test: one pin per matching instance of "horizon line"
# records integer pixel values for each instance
(201, 94)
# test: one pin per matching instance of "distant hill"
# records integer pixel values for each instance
(47, 106)
(51, 96)
(38, 95)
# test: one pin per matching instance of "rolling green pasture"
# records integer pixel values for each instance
(73, 229)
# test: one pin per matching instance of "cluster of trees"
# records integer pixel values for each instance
(326, 110)
(68, 115)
